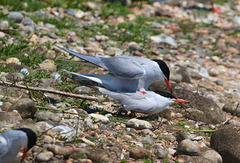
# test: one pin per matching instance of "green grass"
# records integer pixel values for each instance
(65, 22)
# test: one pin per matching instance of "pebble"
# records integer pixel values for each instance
(212, 156)
(79, 13)
(83, 90)
(16, 16)
(163, 39)
(28, 22)
(48, 116)
(188, 147)
(48, 139)
(48, 65)
(99, 117)
(8, 118)
(13, 60)
(26, 107)
(44, 156)
(139, 153)
(138, 124)
(134, 46)
(59, 150)
(213, 72)
(2, 34)
(159, 151)
(196, 75)
(4, 24)
(24, 71)
(56, 76)
(204, 72)
(101, 38)
(14, 76)
(90, 5)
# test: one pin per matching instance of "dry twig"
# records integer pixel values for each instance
(9, 84)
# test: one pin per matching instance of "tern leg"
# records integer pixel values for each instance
(133, 113)
(214, 8)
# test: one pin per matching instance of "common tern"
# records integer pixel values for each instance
(149, 103)
(126, 73)
(214, 9)
(12, 141)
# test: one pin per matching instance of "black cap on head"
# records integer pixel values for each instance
(165, 94)
(163, 66)
(32, 137)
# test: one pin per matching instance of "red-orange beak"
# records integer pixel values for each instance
(168, 85)
(180, 101)
(24, 154)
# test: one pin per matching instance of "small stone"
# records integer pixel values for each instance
(26, 107)
(98, 117)
(212, 156)
(16, 16)
(196, 76)
(4, 24)
(113, 51)
(232, 107)
(219, 82)
(24, 71)
(163, 39)
(56, 76)
(138, 124)
(83, 90)
(48, 65)
(188, 147)
(48, 116)
(27, 22)
(7, 118)
(159, 152)
(14, 76)
(204, 72)
(213, 72)
(5, 106)
(79, 13)
(2, 34)
(13, 60)
(90, 5)
(139, 153)
(70, 11)
(48, 139)
(101, 38)
(84, 160)
(44, 156)
(58, 150)
(134, 46)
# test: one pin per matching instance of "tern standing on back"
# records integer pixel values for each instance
(12, 141)
(128, 74)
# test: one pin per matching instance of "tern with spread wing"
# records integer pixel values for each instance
(129, 74)
(12, 141)
(149, 103)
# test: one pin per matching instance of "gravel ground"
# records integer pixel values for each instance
(202, 49)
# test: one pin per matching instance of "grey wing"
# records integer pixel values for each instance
(124, 67)
(94, 60)
(3, 147)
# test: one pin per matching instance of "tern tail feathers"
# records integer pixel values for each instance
(94, 60)
(92, 77)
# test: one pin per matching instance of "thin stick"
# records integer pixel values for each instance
(9, 84)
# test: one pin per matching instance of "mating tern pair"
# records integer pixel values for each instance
(128, 81)
(12, 141)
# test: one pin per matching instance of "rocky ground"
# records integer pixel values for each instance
(202, 49)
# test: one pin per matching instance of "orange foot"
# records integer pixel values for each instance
(216, 10)
(143, 92)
